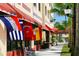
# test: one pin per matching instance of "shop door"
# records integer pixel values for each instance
(47, 39)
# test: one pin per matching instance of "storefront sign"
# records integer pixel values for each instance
(37, 34)
(28, 31)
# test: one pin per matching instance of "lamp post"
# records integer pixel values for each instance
(68, 11)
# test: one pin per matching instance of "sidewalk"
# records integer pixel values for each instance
(53, 51)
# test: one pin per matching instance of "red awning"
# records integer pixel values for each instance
(48, 27)
(17, 22)
(4, 7)
(21, 14)
(38, 21)
(54, 29)
(45, 27)
(51, 29)
(18, 12)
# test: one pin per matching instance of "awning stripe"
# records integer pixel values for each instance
(7, 23)
(21, 32)
(21, 35)
(10, 34)
(17, 22)
(16, 35)
(12, 22)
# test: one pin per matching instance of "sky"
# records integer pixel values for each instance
(59, 18)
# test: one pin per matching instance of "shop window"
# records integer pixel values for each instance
(19, 3)
(39, 6)
(45, 10)
(11, 45)
(34, 4)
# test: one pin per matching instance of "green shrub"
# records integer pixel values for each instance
(65, 51)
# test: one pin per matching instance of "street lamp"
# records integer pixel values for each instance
(67, 11)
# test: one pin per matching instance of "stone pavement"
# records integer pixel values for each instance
(53, 51)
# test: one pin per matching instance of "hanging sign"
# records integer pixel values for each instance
(37, 34)
(40, 32)
(27, 30)
(17, 22)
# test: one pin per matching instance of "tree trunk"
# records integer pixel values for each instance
(73, 31)
(76, 51)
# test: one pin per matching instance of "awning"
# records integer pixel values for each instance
(45, 28)
(54, 29)
(18, 12)
(21, 14)
(38, 21)
(7, 23)
(12, 22)
(48, 27)
(4, 7)
(17, 22)
(14, 33)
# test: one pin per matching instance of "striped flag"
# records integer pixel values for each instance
(14, 32)
(21, 23)
(7, 23)
(16, 35)
(12, 22)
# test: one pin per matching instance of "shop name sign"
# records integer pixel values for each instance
(34, 14)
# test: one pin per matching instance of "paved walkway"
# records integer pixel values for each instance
(53, 51)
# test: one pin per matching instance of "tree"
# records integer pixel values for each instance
(59, 26)
(59, 9)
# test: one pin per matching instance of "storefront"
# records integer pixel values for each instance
(6, 26)
(3, 36)
(28, 33)
(38, 32)
(13, 32)
(46, 37)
